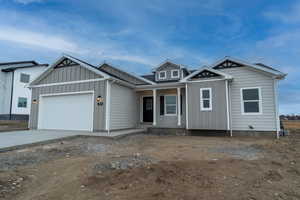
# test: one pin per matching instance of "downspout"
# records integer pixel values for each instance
(227, 107)
(230, 115)
(186, 107)
(11, 94)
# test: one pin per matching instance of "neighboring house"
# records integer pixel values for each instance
(15, 96)
(230, 95)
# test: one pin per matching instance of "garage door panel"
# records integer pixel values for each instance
(66, 112)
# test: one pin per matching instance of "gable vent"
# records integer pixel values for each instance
(66, 63)
(227, 64)
(205, 74)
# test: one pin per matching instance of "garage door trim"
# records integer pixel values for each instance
(64, 94)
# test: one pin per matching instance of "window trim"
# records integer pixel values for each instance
(165, 105)
(259, 101)
(25, 75)
(210, 100)
(162, 78)
(173, 70)
(19, 101)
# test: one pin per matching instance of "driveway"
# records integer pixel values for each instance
(17, 138)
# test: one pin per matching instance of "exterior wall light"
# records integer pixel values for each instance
(34, 101)
(99, 100)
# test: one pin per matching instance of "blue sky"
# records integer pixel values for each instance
(139, 34)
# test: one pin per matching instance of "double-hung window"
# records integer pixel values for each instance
(24, 78)
(205, 99)
(162, 75)
(22, 102)
(175, 73)
(170, 105)
(251, 100)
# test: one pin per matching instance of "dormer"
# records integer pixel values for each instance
(169, 72)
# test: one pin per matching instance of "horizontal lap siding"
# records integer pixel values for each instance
(69, 73)
(124, 108)
(98, 87)
(245, 77)
(208, 120)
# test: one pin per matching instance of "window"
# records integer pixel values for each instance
(24, 78)
(22, 102)
(170, 105)
(175, 73)
(205, 99)
(251, 100)
(162, 75)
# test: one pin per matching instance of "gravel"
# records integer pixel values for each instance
(251, 152)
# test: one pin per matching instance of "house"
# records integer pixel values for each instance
(230, 95)
(15, 96)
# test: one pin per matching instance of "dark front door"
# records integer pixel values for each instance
(148, 109)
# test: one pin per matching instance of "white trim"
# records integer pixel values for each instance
(227, 105)
(50, 68)
(179, 106)
(165, 106)
(210, 100)
(63, 94)
(186, 79)
(160, 86)
(277, 119)
(277, 73)
(142, 107)
(259, 101)
(230, 107)
(154, 107)
(206, 80)
(173, 70)
(107, 108)
(69, 82)
(186, 107)
(159, 75)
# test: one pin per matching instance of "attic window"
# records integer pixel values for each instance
(175, 73)
(162, 75)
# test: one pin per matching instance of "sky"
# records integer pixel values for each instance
(137, 35)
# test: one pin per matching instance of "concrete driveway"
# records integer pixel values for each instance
(18, 138)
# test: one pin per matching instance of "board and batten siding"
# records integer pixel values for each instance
(124, 107)
(216, 119)
(246, 77)
(69, 73)
(99, 88)
(163, 121)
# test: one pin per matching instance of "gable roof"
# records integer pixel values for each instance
(171, 62)
(226, 76)
(76, 60)
(10, 69)
(258, 66)
(31, 62)
(140, 78)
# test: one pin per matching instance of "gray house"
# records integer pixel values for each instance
(229, 96)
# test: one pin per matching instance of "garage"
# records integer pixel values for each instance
(68, 111)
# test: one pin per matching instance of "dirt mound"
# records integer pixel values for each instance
(167, 180)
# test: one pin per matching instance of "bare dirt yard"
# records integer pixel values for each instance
(147, 167)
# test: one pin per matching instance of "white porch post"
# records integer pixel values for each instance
(179, 106)
(154, 107)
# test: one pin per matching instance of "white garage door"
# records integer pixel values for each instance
(66, 112)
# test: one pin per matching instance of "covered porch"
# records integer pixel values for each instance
(162, 107)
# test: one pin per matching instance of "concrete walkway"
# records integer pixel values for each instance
(15, 139)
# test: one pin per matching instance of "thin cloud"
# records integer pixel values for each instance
(37, 39)
(28, 1)
(288, 16)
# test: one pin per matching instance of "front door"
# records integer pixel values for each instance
(147, 109)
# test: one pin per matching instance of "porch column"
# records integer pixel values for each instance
(154, 107)
(179, 106)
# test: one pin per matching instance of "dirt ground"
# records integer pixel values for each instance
(155, 167)
(11, 125)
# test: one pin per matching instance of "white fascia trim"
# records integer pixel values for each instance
(131, 73)
(206, 80)
(259, 101)
(186, 79)
(177, 70)
(67, 93)
(50, 68)
(280, 74)
(160, 86)
(67, 83)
